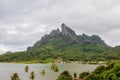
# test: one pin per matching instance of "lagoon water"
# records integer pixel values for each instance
(7, 69)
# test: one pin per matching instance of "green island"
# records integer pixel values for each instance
(66, 47)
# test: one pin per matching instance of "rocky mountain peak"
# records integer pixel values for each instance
(66, 37)
(67, 31)
(55, 32)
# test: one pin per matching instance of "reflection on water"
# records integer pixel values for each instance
(7, 69)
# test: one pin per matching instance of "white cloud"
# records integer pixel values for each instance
(12, 32)
(3, 49)
(22, 22)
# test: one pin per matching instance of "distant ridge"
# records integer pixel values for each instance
(66, 44)
(68, 34)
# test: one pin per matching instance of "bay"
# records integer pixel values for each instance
(7, 69)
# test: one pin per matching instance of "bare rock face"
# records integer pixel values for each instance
(55, 32)
(67, 31)
(66, 37)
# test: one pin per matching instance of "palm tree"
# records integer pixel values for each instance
(15, 77)
(75, 76)
(26, 69)
(43, 72)
(32, 75)
(54, 67)
(65, 75)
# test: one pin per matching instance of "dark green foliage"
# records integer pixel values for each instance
(43, 72)
(65, 75)
(108, 72)
(32, 75)
(26, 69)
(110, 65)
(54, 67)
(67, 45)
(15, 77)
(99, 69)
(70, 53)
(75, 75)
(75, 52)
(83, 74)
(93, 76)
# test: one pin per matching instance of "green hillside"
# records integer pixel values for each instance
(67, 45)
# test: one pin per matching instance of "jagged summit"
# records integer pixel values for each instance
(55, 32)
(66, 44)
(67, 31)
(66, 37)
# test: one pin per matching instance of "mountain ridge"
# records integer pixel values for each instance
(65, 43)
(70, 35)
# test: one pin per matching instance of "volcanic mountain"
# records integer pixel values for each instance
(65, 43)
(66, 37)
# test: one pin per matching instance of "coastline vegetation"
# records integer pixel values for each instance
(108, 71)
(66, 47)
(26, 69)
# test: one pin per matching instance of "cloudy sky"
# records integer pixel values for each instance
(23, 22)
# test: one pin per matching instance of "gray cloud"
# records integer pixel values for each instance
(22, 22)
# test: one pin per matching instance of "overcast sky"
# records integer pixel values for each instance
(23, 22)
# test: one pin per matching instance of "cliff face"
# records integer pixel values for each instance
(66, 37)
(66, 31)
(68, 45)
(54, 33)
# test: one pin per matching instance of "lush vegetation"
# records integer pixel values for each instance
(71, 53)
(109, 71)
(15, 76)
(43, 72)
(65, 76)
(67, 45)
(32, 75)
(26, 69)
(54, 67)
